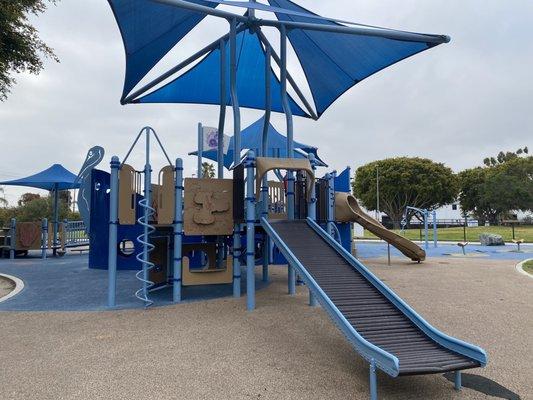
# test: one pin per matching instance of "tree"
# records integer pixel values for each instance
(208, 170)
(3, 201)
(27, 197)
(504, 157)
(21, 48)
(403, 182)
(491, 192)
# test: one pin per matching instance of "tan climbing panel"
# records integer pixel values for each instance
(207, 276)
(265, 164)
(166, 196)
(127, 190)
(208, 207)
(28, 236)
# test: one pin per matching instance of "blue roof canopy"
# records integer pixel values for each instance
(334, 62)
(149, 31)
(252, 139)
(56, 177)
(201, 84)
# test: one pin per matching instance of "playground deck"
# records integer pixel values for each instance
(283, 350)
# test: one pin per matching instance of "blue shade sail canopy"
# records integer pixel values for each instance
(201, 84)
(149, 31)
(56, 177)
(252, 139)
(333, 62)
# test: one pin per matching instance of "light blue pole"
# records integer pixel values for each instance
(457, 380)
(426, 226)
(331, 203)
(44, 237)
(373, 381)
(236, 151)
(148, 200)
(200, 150)
(56, 216)
(178, 232)
(290, 143)
(311, 213)
(435, 228)
(250, 232)
(264, 153)
(222, 115)
(113, 222)
(12, 238)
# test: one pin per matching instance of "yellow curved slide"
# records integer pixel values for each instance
(347, 210)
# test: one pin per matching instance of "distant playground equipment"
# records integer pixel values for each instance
(463, 245)
(29, 235)
(235, 70)
(518, 242)
(348, 210)
(424, 213)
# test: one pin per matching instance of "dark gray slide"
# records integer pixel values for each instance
(379, 325)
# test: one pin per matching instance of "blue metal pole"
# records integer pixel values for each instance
(44, 237)
(56, 216)
(290, 144)
(457, 380)
(331, 202)
(222, 115)
(435, 240)
(373, 381)
(147, 213)
(311, 213)
(250, 232)
(264, 153)
(178, 232)
(113, 222)
(200, 150)
(426, 223)
(12, 238)
(236, 151)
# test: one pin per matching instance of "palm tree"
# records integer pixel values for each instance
(3, 201)
(208, 170)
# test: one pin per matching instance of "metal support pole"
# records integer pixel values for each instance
(331, 203)
(12, 238)
(147, 213)
(44, 237)
(200, 149)
(290, 143)
(236, 151)
(457, 380)
(311, 213)
(426, 228)
(113, 222)
(56, 222)
(435, 239)
(222, 115)
(250, 232)
(178, 232)
(373, 381)
(264, 153)
(388, 254)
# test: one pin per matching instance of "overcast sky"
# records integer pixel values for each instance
(456, 103)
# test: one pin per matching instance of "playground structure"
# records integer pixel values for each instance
(20, 237)
(424, 213)
(233, 227)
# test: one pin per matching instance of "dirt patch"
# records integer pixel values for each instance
(6, 286)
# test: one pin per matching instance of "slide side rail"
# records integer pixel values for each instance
(451, 343)
(382, 359)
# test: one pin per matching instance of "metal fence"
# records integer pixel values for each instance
(75, 234)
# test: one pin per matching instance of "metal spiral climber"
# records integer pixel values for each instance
(144, 240)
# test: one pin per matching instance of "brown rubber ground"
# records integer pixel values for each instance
(283, 350)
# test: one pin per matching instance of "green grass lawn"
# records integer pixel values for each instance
(472, 233)
(528, 266)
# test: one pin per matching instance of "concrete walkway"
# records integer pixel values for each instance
(283, 350)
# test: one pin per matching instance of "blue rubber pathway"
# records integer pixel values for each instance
(366, 249)
(67, 284)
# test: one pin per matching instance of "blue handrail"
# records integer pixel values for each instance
(444, 340)
(373, 354)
